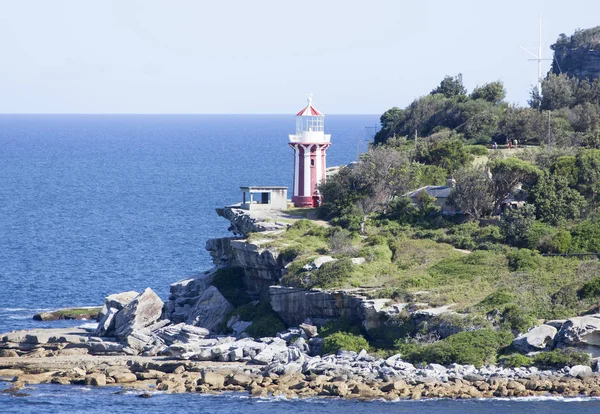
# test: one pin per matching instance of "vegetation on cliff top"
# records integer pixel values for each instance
(522, 248)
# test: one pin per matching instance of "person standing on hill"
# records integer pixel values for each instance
(509, 144)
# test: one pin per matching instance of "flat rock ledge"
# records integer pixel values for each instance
(271, 367)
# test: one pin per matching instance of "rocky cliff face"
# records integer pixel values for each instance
(581, 63)
(261, 267)
(578, 55)
(197, 302)
(242, 222)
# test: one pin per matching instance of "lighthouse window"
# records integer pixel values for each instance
(312, 163)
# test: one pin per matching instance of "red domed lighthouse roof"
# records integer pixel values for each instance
(309, 110)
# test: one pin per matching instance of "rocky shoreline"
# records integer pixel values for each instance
(284, 365)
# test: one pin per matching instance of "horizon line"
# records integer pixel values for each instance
(169, 113)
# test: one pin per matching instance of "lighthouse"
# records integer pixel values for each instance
(310, 144)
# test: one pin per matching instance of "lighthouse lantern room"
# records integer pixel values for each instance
(309, 144)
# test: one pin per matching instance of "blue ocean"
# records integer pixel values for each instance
(97, 204)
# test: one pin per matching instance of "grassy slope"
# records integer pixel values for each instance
(411, 265)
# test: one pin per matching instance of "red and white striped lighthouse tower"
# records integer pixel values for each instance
(309, 144)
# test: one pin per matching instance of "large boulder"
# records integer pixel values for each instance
(582, 332)
(116, 301)
(132, 322)
(210, 310)
(182, 333)
(539, 338)
(112, 304)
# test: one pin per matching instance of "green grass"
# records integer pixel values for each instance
(66, 314)
(424, 265)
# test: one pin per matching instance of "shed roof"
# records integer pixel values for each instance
(264, 188)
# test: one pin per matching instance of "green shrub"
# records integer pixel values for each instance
(266, 325)
(565, 302)
(303, 226)
(523, 260)
(476, 149)
(517, 319)
(516, 225)
(265, 321)
(590, 290)
(586, 237)
(516, 361)
(557, 242)
(475, 347)
(376, 240)
(339, 325)
(332, 274)
(560, 358)
(289, 254)
(340, 241)
(537, 233)
(344, 341)
(230, 283)
(496, 300)
(376, 253)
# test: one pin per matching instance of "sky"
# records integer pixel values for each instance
(264, 56)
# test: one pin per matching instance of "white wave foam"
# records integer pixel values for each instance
(542, 398)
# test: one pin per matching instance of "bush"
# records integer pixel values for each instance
(496, 300)
(340, 241)
(339, 325)
(558, 241)
(523, 260)
(516, 361)
(266, 326)
(379, 252)
(476, 149)
(475, 348)
(265, 321)
(516, 225)
(344, 341)
(590, 290)
(517, 320)
(289, 254)
(560, 358)
(332, 274)
(586, 237)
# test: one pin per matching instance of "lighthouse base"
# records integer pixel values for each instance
(301, 201)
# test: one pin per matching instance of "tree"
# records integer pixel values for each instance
(451, 87)
(588, 164)
(493, 92)
(566, 166)
(478, 120)
(586, 117)
(368, 186)
(444, 149)
(377, 178)
(523, 124)
(557, 92)
(473, 193)
(554, 200)
(507, 174)
(515, 225)
(390, 121)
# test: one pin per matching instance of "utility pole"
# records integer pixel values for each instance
(416, 136)
(549, 132)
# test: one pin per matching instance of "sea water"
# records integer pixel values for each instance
(97, 204)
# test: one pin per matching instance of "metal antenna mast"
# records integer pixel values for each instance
(538, 59)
